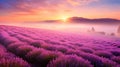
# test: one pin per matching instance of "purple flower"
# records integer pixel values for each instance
(13, 62)
(69, 61)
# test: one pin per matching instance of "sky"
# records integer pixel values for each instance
(39, 10)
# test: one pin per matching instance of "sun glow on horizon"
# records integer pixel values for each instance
(64, 18)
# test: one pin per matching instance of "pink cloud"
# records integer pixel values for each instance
(80, 2)
(28, 5)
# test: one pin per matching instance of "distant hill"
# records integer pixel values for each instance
(83, 20)
(51, 21)
(86, 20)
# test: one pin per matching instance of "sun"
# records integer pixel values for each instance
(64, 18)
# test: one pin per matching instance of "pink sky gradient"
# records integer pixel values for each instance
(38, 10)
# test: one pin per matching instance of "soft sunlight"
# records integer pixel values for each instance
(64, 18)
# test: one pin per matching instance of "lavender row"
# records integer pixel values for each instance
(56, 52)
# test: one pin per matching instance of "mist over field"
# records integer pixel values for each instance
(108, 29)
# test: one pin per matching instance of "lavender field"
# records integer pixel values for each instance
(32, 47)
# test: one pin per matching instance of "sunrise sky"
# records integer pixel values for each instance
(38, 10)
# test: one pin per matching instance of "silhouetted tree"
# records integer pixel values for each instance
(118, 30)
(112, 34)
(92, 30)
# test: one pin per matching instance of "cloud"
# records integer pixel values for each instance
(29, 5)
(14, 5)
(80, 2)
(39, 9)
